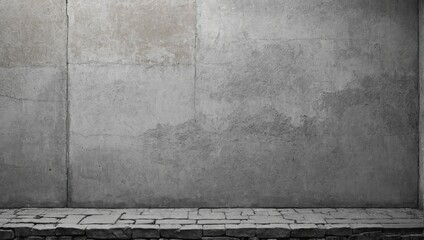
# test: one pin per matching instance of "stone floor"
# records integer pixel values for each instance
(210, 224)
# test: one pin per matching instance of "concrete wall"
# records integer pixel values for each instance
(288, 103)
(32, 103)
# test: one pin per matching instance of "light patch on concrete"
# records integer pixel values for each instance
(131, 31)
(32, 33)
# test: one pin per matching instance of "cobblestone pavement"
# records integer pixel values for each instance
(210, 224)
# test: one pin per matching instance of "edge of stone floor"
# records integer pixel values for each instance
(207, 224)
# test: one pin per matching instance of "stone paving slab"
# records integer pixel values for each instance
(210, 224)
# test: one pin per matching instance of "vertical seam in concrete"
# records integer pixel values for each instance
(67, 106)
(195, 61)
(420, 73)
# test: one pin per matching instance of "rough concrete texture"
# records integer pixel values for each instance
(277, 103)
(314, 102)
(32, 103)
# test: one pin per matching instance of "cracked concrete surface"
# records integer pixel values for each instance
(218, 103)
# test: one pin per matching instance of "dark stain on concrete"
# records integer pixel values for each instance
(393, 100)
(257, 79)
(264, 160)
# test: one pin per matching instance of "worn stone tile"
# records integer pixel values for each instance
(377, 221)
(226, 210)
(206, 215)
(403, 228)
(171, 215)
(146, 218)
(306, 230)
(85, 211)
(6, 234)
(9, 211)
(359, 215)
(306, 216)
(266, 212)
(273, 231)
(126, 221)
(64, 238)
(54, 215)
(40, 238)
(247, 212)
(43, 230)
(359, 227)
(144, 221)
(213, 230)
(175, 221)
(20, 230)
(72, 219)
(145, 231)
(324, 210)
(337, 229)
(263, 220)
(100, 219)
(132, 31)
(219, 238)
(184, 232)
(131, 216)
(70, 229)
(35, 220)
(286, 210)
(317, 221)
(218, 221)
(169, 230)
(413, 237)
(367, 235)
(108, 232)
(240, 230)
(236, 216)
(399, 213)
(335, 238)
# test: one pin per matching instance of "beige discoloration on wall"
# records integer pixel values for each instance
(132, 31)
(33, 33)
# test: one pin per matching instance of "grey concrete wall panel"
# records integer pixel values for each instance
(32, 103)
